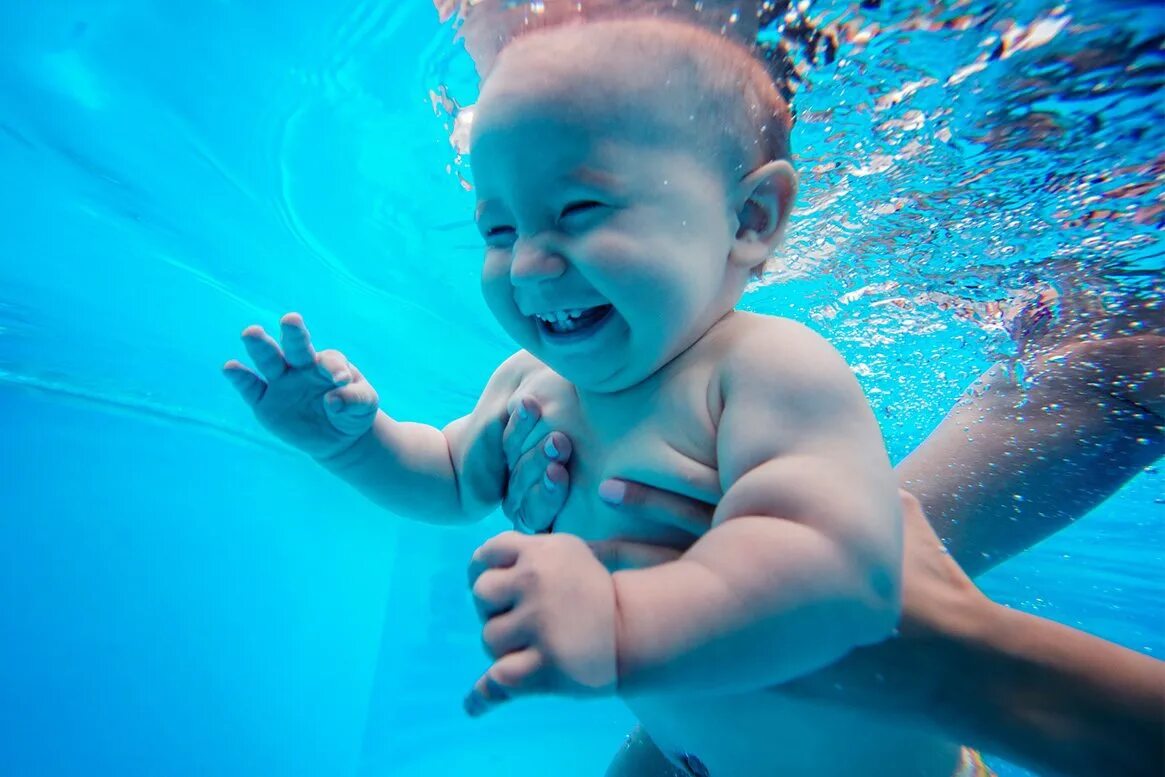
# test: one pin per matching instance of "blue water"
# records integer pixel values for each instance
(180, 595)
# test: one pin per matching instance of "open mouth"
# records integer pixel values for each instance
(574, 323)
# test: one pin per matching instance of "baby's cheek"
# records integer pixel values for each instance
(499, 298)
(495, 272)
(612, 248)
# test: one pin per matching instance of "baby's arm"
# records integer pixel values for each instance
(321, 404)
(803, 561)
(455, 474)
(451, 475)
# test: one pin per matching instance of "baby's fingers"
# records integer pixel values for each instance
(513, 674)
(297, 348)
(335, 367)
(351, 407)
(249, 385)
(352, 397)
(264, 352)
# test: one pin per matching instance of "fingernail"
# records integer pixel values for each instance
(343, 376)
(547, 483)
(333, 400)
(612, 491)
(522, 411)
(550, 448)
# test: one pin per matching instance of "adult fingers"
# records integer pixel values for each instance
(249, 385)
(513, 674)
(556, 446)
(297, 347)
(524, 473)
(544, 500)
(536, 489)
(652, 504)
(264, 352)
(521, 422)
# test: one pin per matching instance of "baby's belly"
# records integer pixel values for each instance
(771, 734)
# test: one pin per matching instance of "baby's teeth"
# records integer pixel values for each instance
(560, 315)
(562, 318)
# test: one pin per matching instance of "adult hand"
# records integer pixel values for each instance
(539, 481)
(903, 673)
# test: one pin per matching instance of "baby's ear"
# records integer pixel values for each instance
(763, 199)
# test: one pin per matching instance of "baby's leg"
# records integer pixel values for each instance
(1007, 467)
(639, 757)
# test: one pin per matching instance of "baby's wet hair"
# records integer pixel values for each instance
(733, 107)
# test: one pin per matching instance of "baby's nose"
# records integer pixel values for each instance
(534, 262)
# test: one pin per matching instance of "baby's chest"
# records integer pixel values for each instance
(661, 435)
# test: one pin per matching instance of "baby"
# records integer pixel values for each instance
(631, 176)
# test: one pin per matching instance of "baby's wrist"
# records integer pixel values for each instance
(351, 456)
(625, 663)
(644, 652)
(620, 635)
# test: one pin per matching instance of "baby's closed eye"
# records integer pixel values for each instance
(581, 214)
(499, 236)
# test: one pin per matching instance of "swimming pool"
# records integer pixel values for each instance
(180, 595)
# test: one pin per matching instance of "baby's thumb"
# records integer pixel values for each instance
(352, 407)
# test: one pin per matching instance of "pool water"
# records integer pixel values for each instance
(181, 595)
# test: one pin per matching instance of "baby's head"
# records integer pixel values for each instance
(631, 176)
(488, 26)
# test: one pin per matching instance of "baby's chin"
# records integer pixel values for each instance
(618, 372)
(595, 374)
(600, 360)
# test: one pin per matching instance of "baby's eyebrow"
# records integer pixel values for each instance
(591, 176)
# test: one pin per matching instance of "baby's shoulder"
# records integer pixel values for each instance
(751, 329)
(771, 352)
(506, 379)
(752, 340)
(523, 374)
(515, 370)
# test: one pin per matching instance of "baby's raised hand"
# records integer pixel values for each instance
(317, 402)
